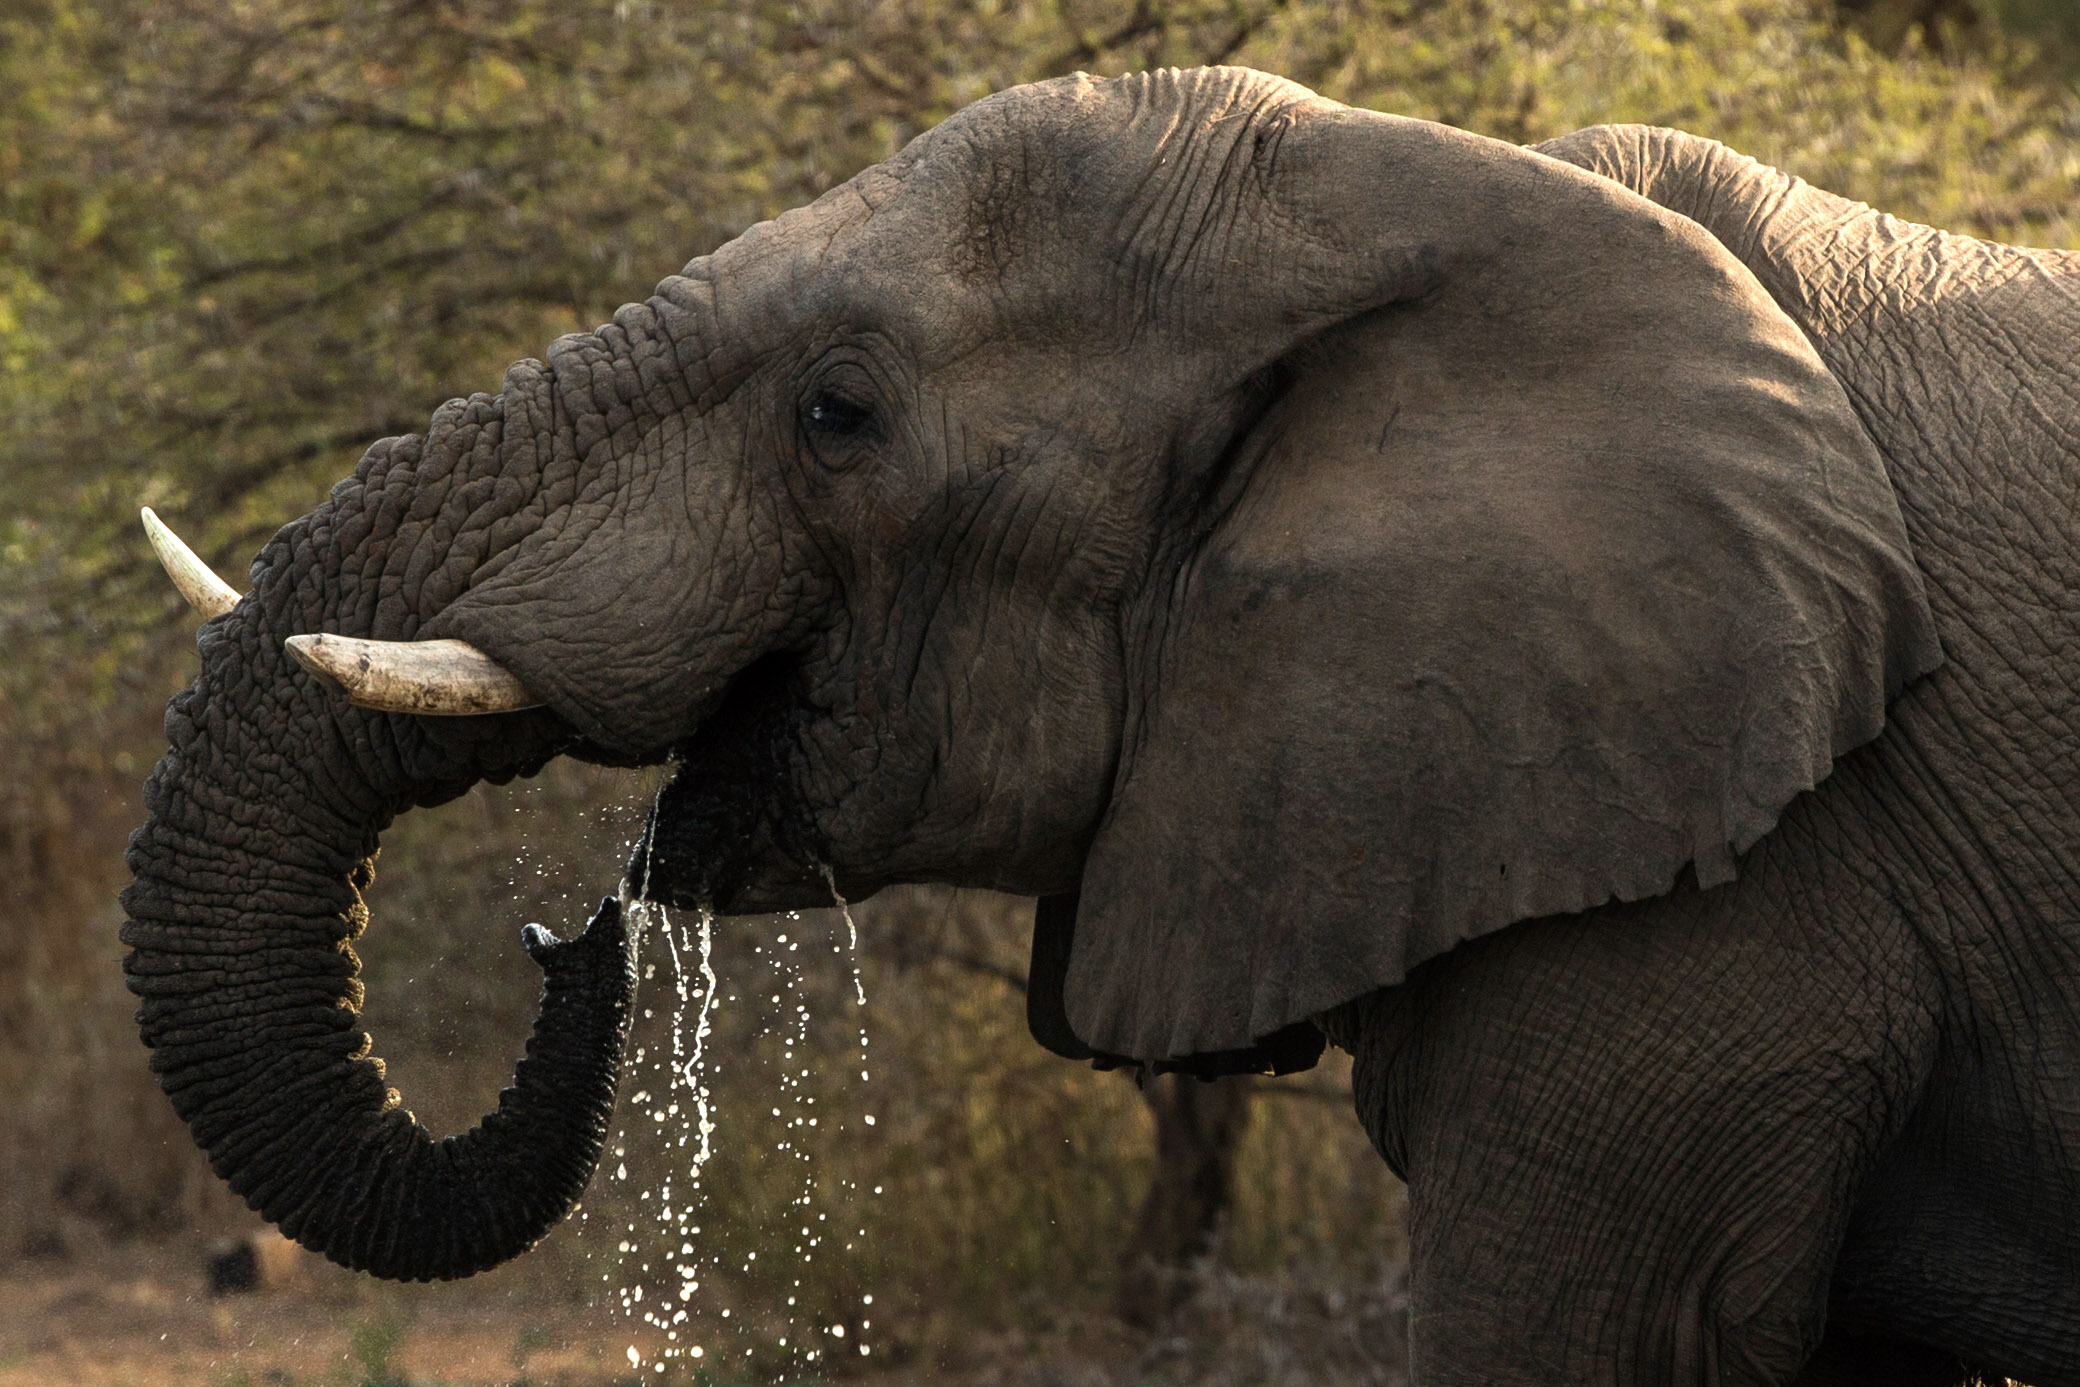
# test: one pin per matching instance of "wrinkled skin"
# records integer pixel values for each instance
(1368, 581)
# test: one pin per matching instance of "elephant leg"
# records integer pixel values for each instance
(1848, 1359)
(1632, 1138)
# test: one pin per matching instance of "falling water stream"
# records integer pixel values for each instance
(659, 1240)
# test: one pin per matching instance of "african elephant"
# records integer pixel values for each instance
(1589, 630)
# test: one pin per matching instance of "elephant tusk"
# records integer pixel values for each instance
(444, 678)
(205, 591)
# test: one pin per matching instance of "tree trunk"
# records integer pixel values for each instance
(1199, 1129)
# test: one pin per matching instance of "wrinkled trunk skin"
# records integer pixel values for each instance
(248, 875)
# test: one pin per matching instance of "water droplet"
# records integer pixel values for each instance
(673, 1301)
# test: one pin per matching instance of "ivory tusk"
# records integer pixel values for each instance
(436, 678)
(205, 591)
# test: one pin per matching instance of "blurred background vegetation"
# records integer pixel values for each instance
(239, 239)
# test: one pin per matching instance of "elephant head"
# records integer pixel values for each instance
(1288, 539)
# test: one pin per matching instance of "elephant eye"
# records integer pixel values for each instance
(837, 420)
(833, 416)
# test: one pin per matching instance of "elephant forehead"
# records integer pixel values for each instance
(1024, 196)
(864, 257)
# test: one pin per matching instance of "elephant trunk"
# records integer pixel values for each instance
(248, 874)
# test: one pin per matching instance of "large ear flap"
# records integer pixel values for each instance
(1533, 589)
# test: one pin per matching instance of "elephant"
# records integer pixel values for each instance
(1587, 629)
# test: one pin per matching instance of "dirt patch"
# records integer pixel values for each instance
(132, 1317)
(144, 1316)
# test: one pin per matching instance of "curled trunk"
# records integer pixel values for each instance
(248, 875)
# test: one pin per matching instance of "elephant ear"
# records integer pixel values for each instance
(1560, 566)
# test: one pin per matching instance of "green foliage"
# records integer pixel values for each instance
(2054, 17)
(240, 240)
(1941, 24)
(375, 1343)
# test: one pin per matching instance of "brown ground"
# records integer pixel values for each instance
(142, 1316)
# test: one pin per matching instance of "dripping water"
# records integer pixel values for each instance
(660, 1237)
(859, 995)
(859, 991)
(682, 1113)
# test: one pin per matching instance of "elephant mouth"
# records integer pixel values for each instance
(730, 830)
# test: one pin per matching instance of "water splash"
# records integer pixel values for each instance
(672, 1221)
(660, 1260)
(859, 993)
